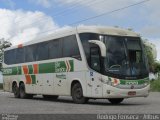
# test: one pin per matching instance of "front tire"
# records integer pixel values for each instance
(22, 92)
(115, 101)
(15, 90)
(77, 94)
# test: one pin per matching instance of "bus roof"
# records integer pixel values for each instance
(80, 29)
(107, 30)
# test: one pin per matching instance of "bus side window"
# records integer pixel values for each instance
(10, 57)
(30, 53)
(42, 51)
(70, 47)
(20, 56)
(54, 48)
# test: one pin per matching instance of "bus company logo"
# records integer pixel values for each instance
(7, 71)
(131, 83)
(63, 66)
(59, 67)
(9, 117)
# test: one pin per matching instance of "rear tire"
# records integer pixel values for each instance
(77, 94)
(115, 101)
(22, 92)
(15, 90)
(53, 97)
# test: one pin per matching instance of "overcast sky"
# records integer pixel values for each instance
(23, 20)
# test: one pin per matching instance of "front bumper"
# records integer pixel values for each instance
(113, 92)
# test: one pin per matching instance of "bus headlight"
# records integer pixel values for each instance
(111, 81)
(115, 82)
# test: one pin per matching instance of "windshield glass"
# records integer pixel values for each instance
(125, 55)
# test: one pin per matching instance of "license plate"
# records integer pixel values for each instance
(132, 93)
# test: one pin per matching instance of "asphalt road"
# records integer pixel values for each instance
(65, 105)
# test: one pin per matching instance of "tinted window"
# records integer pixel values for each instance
(133, 44)
(70, 47)
(55, 49)
(30, 53)
(10, 56)
(20, 56)
(42, 51)
(85, 37)
(63, 47)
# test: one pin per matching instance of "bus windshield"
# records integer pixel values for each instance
(124, 59)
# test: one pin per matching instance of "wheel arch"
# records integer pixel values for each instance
(21, 82)
(73, 83)
(13, 83)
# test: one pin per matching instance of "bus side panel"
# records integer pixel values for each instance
(45, 84)
(9, 79)
(75, 71)
(7, 83)
(61, 83)
(78, 76)
(94, 84)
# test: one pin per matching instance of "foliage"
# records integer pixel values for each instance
(3, 45)
(157, 67)
(1, 86)
(155, 86)
(154, 66)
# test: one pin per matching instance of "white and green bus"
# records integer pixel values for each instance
(86, 62)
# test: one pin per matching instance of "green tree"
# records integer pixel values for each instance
(154, 66)
(150, 58)
(3, 44)
(157, 67)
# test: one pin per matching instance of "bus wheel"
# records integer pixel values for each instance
(54, 97)
(16, 90)
(77, 94)
(22, 92)
(115, 101)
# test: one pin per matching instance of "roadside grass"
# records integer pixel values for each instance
(1, 86)
(155, 86)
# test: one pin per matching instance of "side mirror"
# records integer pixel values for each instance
(101, 46)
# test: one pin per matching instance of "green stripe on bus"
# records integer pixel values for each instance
(53, 67)
(33, 79)
(71, 63)
(46, 68)
(30, 67)
(19, 70)
(127, 82)
(139, 82)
